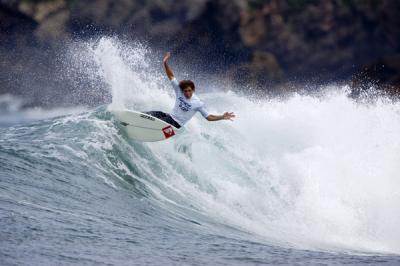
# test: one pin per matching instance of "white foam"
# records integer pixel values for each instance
(316, 172)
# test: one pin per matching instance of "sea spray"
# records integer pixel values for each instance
(316, 172)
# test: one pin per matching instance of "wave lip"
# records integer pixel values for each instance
(314, 172)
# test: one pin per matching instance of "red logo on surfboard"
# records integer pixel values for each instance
(168, 131)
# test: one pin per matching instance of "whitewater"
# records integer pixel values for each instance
(304, 180)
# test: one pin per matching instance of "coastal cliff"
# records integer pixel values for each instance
(248, 41)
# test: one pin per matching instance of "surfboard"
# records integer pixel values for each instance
(143, 127)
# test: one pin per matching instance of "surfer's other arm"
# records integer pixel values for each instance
(225, 116)
(168, 69)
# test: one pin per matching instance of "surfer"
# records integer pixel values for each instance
(186, 103)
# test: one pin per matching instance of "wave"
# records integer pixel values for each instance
(313, 172)
(12, 111)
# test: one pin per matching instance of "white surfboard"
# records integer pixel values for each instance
(143, 127)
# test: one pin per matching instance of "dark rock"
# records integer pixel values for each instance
(15, 27)
(255, 41)
(52, 16)
(263, 68)
(382, 75)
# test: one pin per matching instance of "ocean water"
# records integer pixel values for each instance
(306, 180)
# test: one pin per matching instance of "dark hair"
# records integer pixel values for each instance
(186, 83)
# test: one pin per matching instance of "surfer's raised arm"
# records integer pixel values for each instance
(168, 69)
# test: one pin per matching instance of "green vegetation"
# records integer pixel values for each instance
(255, 4)
(37, 1)
(296, 6)
(293, 5)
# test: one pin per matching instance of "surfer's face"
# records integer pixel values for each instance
(188, 92)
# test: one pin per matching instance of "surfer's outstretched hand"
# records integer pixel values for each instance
(228, 116)
(166, 57)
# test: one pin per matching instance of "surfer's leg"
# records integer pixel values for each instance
(164, 117)
(158, 114)
(171, 121)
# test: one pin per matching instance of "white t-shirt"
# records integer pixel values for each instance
(185, 109)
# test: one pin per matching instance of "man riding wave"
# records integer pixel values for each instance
(186, 102)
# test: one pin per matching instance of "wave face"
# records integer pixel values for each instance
(288, 178)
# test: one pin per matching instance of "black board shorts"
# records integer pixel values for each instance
(164, 117)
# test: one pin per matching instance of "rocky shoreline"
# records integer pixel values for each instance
(248, 41)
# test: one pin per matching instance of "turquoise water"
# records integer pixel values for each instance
(74, 190)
